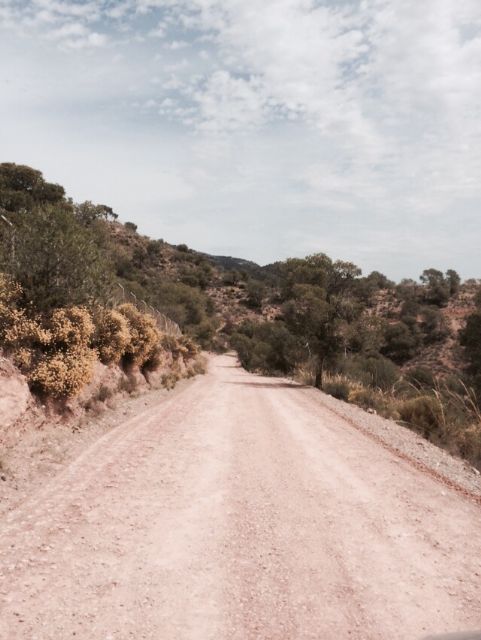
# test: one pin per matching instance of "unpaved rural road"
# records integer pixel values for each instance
(241, 508)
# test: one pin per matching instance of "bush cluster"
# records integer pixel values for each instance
(63, 373)
(57, 351)
(112, 335)
(66, 362)
(144, 335)
(425, 413)
(337, 386)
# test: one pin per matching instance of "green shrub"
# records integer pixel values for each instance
(401, 342)
(383, 372)
(375, 372)
(57, 260)
(468, 442)
(337, 387)
(268, 347)
(426, 414)
(255, 294)
(421, 377)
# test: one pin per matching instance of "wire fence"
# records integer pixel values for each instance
(165, 324)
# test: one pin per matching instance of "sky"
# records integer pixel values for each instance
(262, 129)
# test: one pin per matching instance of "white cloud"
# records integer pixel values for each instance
(229, 104)
(384, 98)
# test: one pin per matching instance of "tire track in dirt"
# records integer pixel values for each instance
(240, 508)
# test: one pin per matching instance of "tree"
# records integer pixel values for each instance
(313, 270)
(310, 316)
(268, 347)
(454, 281)
(401, 343)
(366, 287)
(90, 214)
(437, 288)
(23, 188)
(55, 259)
(408, 290)
(366, 335)
(433, 325)
(255, 294)
(342, 277)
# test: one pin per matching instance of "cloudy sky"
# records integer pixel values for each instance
(259, 128)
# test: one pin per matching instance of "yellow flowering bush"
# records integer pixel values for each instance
(112, 335)
(144, 335)
(57, 352)
(63, 373)
(17, 331)
(72, 326)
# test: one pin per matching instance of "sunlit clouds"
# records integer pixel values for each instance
(264, 129)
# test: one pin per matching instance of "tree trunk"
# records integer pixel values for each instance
(319, 374)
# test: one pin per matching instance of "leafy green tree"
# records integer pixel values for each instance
(313, 270)
(90, 214)
(365, 335)
(311, 317)
(255, 294)
(23, 188)
(408, 290)
(401, 343)
(268, 347)
(454, 282)
(437, 288)
(433, 325)
(55, 259)
(366, 287)
(342, 277)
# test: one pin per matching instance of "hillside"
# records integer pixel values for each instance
(222, 287)
(80, 287)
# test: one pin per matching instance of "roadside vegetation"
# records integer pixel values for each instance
(331, 332)
(60, 309)
(77, 287)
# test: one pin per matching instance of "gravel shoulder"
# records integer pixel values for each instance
(410, 446)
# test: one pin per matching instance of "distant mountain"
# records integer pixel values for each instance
(230, 264)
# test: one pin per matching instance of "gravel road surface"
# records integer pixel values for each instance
(241, 508)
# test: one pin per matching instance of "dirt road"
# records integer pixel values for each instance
(241, 508)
